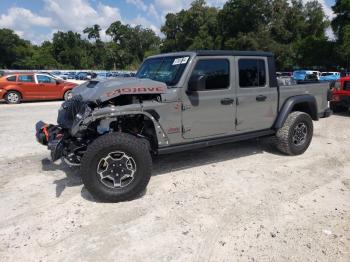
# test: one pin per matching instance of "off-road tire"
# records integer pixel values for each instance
(101, 147)
(10, 101)
(284, 135)
(66, 95)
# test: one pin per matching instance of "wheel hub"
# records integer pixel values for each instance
(12, 97)
(116, 170)
(300, 134)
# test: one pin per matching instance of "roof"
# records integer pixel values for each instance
(216, 53)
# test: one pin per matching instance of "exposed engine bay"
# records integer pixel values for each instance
(84, 118)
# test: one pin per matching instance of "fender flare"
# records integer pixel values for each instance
(289, 105)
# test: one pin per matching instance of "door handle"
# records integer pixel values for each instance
(227, 101)
(261, 98)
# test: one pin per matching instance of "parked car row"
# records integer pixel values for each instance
(311, 75)
(86, 75)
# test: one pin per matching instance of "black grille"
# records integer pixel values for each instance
(69, 110)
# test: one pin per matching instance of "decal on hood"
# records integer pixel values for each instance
(136, 90)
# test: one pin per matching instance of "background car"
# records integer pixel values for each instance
(284, 74)
(59, 75)
(15, 88)
(306, 75)
(84, 76)
(341, 95)
(71, 75)
(330, 76)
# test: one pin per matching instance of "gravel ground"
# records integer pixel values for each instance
(235, 202)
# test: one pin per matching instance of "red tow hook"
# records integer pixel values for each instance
(46, 132)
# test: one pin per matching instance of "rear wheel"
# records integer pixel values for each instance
(296, 134)
(13, 97)
(116, 167)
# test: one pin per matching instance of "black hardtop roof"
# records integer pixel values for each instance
(231, 53)
(216, 53)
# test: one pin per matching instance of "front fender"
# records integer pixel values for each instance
(115, 111)
(290, 103)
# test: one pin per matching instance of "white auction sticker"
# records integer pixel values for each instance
(177, 61)
(184, 60)
(180, 60)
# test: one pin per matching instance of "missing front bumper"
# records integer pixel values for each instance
(50, 136)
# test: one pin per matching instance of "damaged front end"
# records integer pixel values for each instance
(97, 108)
(59, 139)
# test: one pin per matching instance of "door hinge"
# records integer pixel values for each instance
(236, 122)
(185, 107)
(237, 103)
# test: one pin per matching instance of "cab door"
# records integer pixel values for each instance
(49, 87)
(256, 100)
(209, 111)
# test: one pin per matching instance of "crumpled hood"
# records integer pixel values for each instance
(104, 90)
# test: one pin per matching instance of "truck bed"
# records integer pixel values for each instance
(319, 90)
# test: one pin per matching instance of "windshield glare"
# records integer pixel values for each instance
(164, 69)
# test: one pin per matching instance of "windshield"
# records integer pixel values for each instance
(167, 69)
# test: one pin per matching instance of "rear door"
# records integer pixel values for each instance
(48, 86)
(210, 112)
(30, 88)
(256, 100)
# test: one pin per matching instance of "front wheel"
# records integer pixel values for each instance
(13, 97)
(116, 167)
(295, 136)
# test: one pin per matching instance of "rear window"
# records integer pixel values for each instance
(252, 73)
(11, 78)
(26, 78)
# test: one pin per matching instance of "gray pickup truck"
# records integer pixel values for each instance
(178, 101)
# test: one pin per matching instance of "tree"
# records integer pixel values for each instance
(130, 43)
(13, 49)
(341, 28)
(93, 32)
(341, 10)
(70, 50)
(195, 28)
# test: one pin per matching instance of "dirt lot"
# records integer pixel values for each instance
(236, 202)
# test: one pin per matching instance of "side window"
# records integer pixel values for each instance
(216, 72)
(11, 78)
(252, 73)
(347, 85)
(26, 78)
(45, 79)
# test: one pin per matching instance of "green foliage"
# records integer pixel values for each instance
(293, 29)
(13, 50)
(279, 26)
(195, 28)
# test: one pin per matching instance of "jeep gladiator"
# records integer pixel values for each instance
(176, 102)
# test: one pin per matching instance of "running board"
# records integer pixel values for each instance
(213, 142)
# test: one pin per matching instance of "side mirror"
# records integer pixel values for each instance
(197, 83)
(58, 82)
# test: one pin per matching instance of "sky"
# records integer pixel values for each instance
(37, 20)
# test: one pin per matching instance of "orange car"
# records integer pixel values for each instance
(18, 87)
